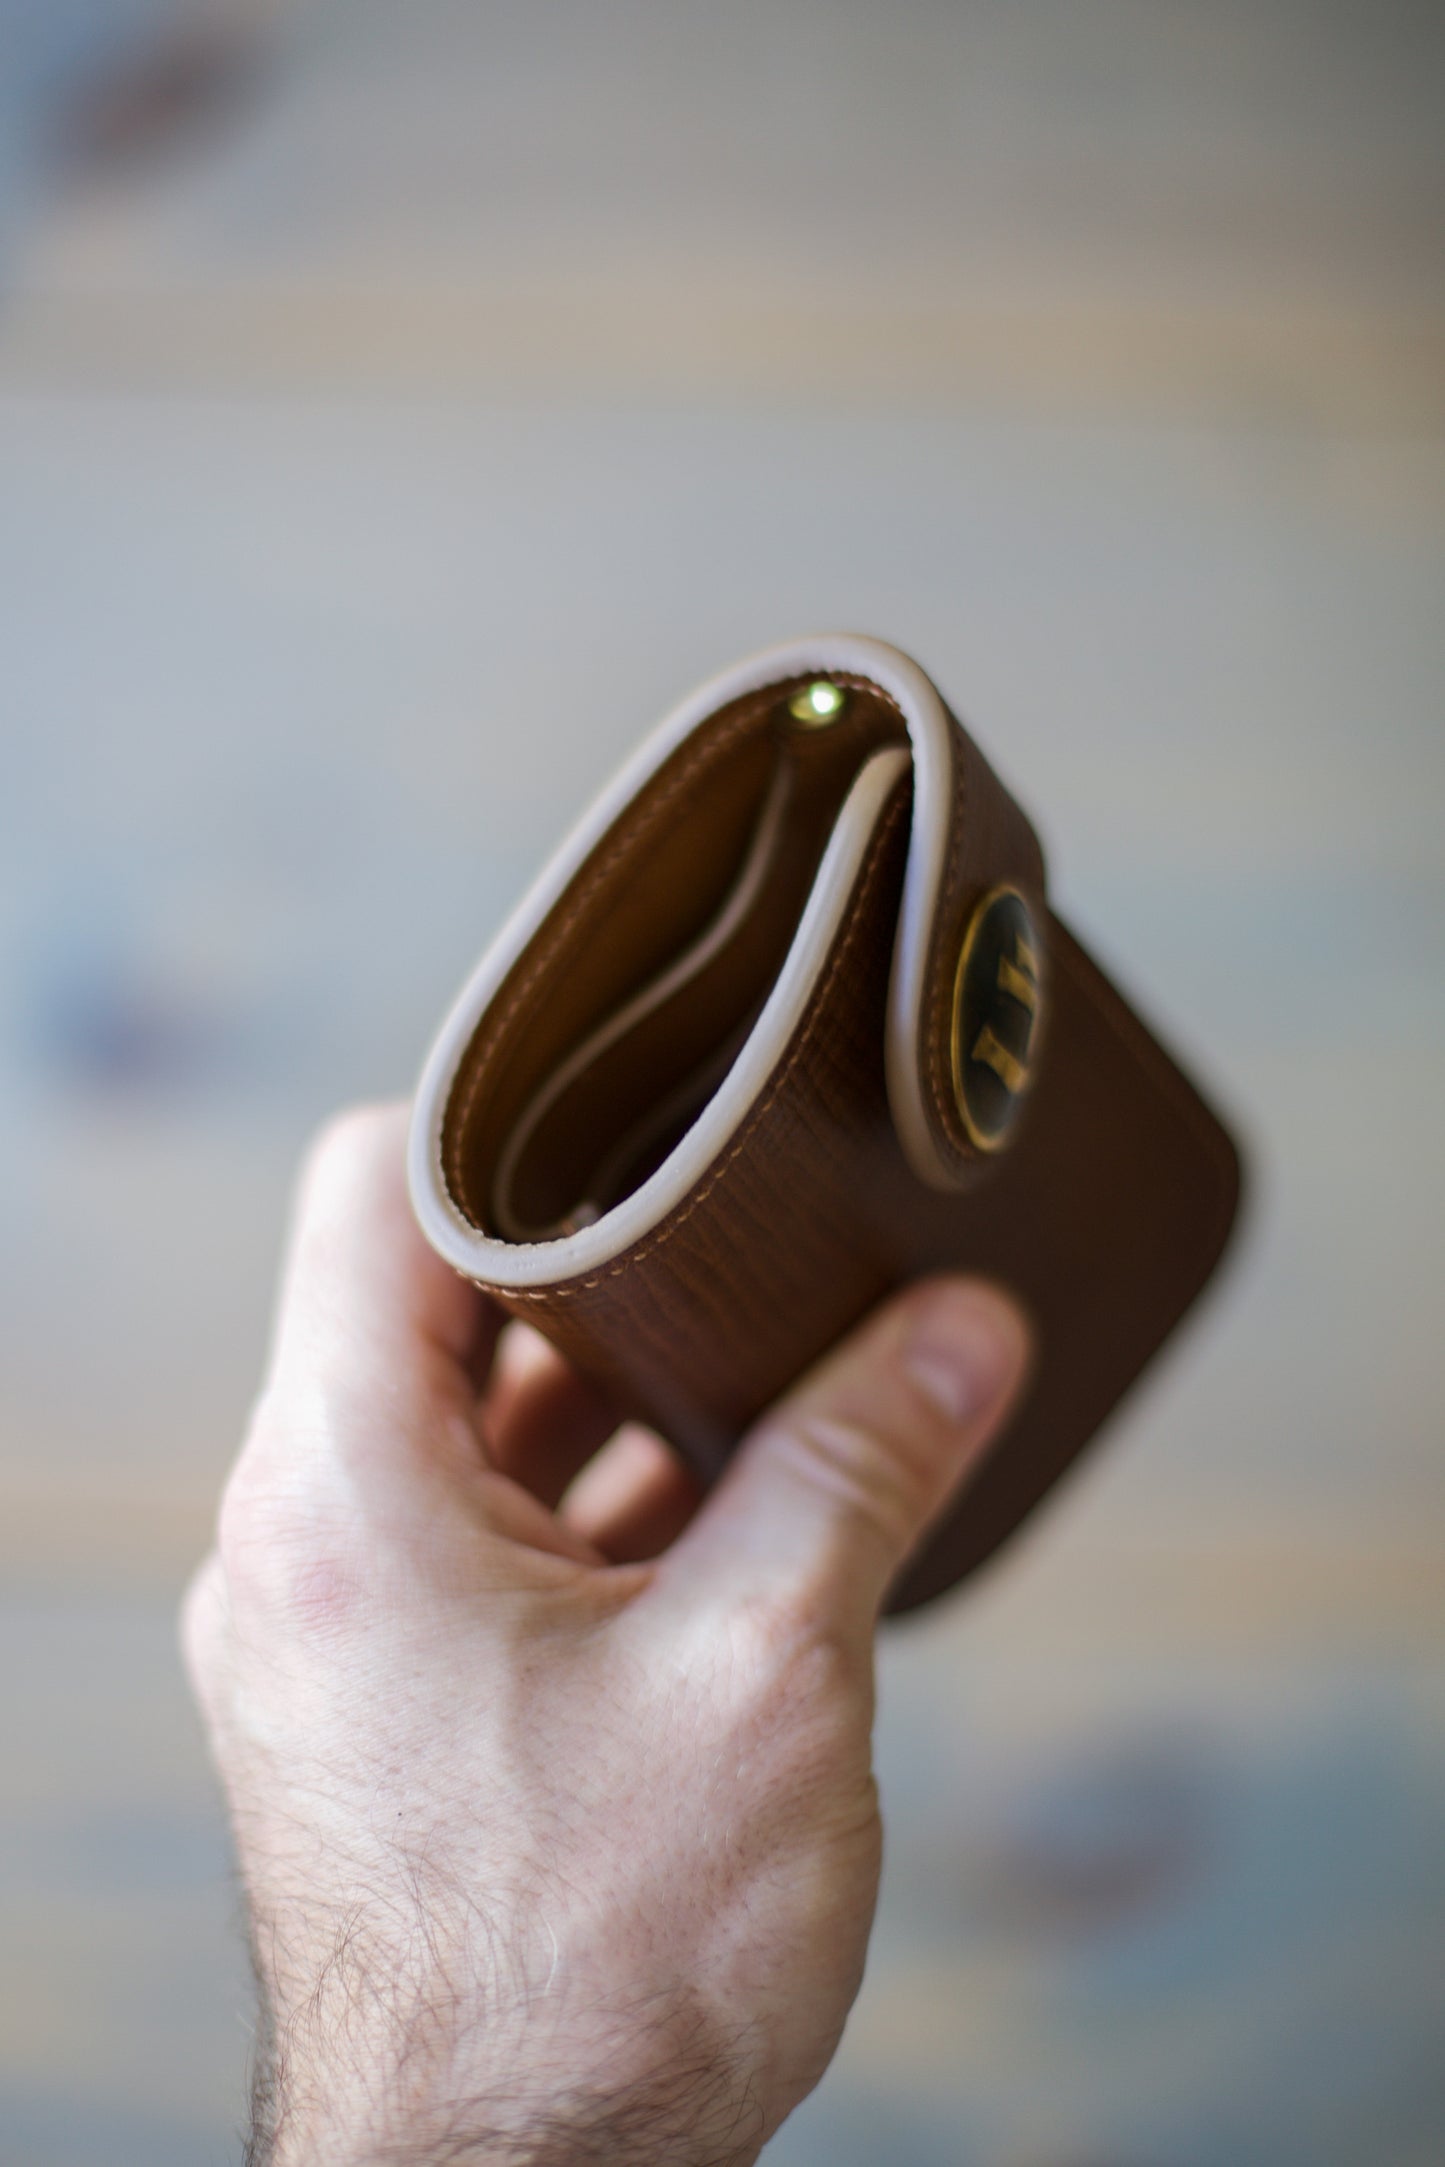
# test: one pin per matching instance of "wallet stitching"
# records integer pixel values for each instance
(665, 1233)
(691, 769)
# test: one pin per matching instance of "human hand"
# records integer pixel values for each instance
(551, 1786)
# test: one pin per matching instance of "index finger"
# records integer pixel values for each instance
(367, 1310)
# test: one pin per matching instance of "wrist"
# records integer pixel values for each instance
(676, 2126)
(682, 2105)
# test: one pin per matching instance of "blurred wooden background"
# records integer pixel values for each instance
(399, 408)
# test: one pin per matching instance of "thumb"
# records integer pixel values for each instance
(832, 1489)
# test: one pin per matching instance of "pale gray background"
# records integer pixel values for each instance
(399, 407)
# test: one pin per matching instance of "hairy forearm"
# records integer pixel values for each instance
(380, 2103)
(694, 2117)
(646, 2131)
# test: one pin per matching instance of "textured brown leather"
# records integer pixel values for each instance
(1106, 1211)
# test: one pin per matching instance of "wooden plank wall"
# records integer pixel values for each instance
(396, 414)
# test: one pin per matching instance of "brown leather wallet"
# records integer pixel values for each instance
(786, 1023)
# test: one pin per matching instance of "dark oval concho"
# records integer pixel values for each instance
(997, 1003)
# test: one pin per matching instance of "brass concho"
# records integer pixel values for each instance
(997, 1020)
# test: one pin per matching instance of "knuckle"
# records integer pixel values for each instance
(345, 1137)
(246, 1522)
(867, 1477)
(281, 1555)
(202, 1625)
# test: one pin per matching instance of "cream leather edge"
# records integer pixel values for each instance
(532, 1264)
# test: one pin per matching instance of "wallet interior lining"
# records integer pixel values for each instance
(643, 993)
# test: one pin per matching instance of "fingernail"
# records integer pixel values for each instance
(963, 1356)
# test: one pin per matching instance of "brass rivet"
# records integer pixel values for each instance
(817, 704)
